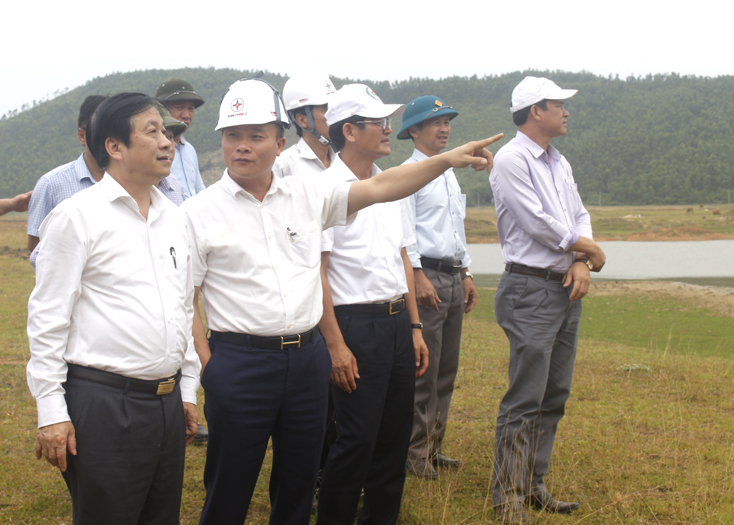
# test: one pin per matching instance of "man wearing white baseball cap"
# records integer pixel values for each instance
(369, 305)
(546, 238)
(256, 244)
(305, 97)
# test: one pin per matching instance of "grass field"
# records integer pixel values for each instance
(648, 435)
(632, 223)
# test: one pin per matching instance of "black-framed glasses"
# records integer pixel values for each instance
(384, 123)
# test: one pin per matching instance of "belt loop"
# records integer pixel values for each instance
(547, 275)
(127, 387)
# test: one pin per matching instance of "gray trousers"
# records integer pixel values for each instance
(433, 390)
(542, 325)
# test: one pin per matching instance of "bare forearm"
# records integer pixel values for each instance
(200, 343)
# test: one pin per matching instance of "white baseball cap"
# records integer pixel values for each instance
(251, 101)
(358, 99)
(534, 89)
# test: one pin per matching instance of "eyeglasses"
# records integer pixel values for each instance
(384, 123)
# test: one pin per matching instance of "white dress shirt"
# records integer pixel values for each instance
(299, 159)
(114, 292)
(365, 265)
(258, 263)
(539, 211)
(437, 212)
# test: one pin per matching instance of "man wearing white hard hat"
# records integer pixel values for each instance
(256, 245)
(370, 323)
(306, 97)
(546, 238)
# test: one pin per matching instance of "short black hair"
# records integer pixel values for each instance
(336, 131)
(520, 117)
(419, 126)
(90, 103)
(114, 119)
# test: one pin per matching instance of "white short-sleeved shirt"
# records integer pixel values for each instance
(299, 159)
(258, 263)
(114, 291)
(365, 265)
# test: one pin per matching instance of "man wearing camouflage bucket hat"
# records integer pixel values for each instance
(444, 287)
(180, 98)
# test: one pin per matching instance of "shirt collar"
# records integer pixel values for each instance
(83, 170)
(231, 187)
(418, 155)
(304, 150)
(347, 174)
(115, 191)
(535, 150)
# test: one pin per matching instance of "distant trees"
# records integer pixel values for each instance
(642, 140)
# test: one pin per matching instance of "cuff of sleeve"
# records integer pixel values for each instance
(414, 256)
(189, 388)
(52, 409)
(569, 240)
(466, 261)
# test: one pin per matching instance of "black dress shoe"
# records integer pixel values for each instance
(421, 468)
(512, 513)
(544, 501)
(441, 461)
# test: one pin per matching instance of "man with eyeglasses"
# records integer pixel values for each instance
(181, 101)
(444, 287)
(370, 324)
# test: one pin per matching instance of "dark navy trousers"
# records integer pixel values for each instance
(374, 423)
(252, 395)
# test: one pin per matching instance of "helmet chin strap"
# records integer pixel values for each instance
(313, 131)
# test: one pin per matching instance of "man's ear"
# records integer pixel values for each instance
(413, 131)
(81, 134)
(348, 130)
(114, 148)
(281, 145)
(302, 121)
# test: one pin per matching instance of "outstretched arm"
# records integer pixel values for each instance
(17, 203)
(401, 181)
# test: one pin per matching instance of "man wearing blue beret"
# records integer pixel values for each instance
(444, 287)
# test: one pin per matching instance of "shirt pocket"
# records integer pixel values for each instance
(305, 244)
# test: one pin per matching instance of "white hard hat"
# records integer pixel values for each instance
(307, 90)
(251, 101)
(358, 99)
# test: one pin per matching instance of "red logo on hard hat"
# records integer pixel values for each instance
(329, 87)
(237, 104)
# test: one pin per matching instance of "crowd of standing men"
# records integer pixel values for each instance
(331, 291)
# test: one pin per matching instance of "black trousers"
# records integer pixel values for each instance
(252, 395)
(374, 423)
(130, 455)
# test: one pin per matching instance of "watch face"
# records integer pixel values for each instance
(590, 265)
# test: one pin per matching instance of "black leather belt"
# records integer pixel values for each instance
(450, 267)
(536, 272)
(278, 342)
(158, 386)
(374, 310)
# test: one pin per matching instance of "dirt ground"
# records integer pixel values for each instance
(719, 299)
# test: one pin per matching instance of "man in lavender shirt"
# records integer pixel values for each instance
(547, 245)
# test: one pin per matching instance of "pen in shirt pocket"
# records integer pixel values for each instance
(291, 234)
(173, 256)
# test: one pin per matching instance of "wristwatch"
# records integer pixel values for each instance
(587, 262)
(417, 326)
(466, 274)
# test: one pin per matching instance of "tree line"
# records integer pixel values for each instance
(658, 139)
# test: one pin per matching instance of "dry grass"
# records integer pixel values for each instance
(631, 223)
(636, 446)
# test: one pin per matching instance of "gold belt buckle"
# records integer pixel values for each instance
(166, 387)
(283, 342)
(393, 303)
(563, 281)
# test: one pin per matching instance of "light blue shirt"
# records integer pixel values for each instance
(186, 168)
(539, 210)
(55, 186)
(437, 213)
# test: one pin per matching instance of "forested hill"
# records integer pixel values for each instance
(653, 140)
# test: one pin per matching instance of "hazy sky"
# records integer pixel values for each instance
(49, 46)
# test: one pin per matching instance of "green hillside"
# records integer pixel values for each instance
(654, 140)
